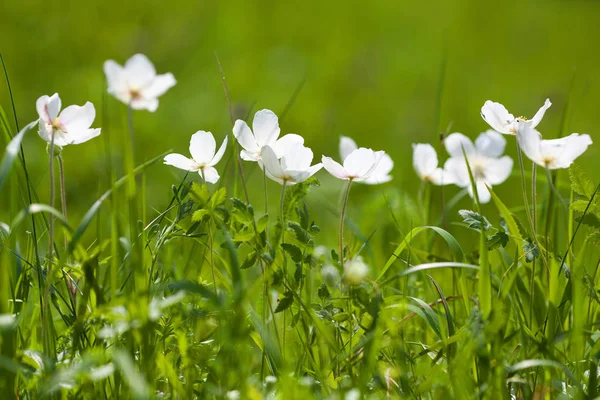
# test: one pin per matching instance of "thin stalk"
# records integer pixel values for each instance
(63, 193)
(212, 264)
(533, 223)
(342, 215)
(50, 240)
(523, 185)
(281, 210)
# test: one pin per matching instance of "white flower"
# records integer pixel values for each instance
(380, 174)
(137, 83)
(355, 271)
(425, 163)
(330, 275)
(265, 132)
(293, 166)
(202, 149)
(487, 167)
(357, 166)
(502, 121)
(71, 126)
(551, 154)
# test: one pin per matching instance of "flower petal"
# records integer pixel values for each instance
(381, 173)
(285, 144)
(490, 143)
(347, 146)
(82, 136)
(244, 136)
(115, 77)
(210, 174)
(180, 161)
(360, 163)
(139, 71)
(76, 118)
(575, 145)
(537, 118)
(265, 127)
(48, 107)
(143, 104)
(159, 85)
(219, 154)
(44, 131)
(530, 142)
(497, 116)
(456, 170)
(202, 147)
(497, 170)
(456, 142)
(482, 192)
(334, 168)
(298, 158)
(425, 159)
(271, 163)
(441, 177)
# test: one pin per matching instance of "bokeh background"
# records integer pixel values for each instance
(369, 70)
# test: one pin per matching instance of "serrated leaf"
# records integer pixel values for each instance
(301, 234)
(218, 198)
(244, 235)
(498, 239)
(475, 220)
(262, 223)
(580, 182)
(250, 260)
(589, 219)
(200, 194)
(285, 302)
(323, 292)
(199, 214)
(294, 252)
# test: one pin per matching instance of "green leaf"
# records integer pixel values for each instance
(12, 150)
(200, 194)
(250, 260)
(323, 292)
(199, 214)
(498, 239)
(262, 223)
(285, 302)
(134, 379)
(294, 252)
(475, 220)
(218, 198)
(301, 234)
(457, 251)
(589, 219)
(580, 182)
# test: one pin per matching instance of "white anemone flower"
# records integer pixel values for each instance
(502, 121)
(265, 132)
(425, 163)
(357, 166)
(293, 166)
(203, 160)
(488, 166)
(381, 174)
(137, 84)
(71, 126)
(554, 153)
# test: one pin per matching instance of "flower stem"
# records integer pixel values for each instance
(63, 193)
(281, 211)
(342, 215)
(533, 218)
(523, 185)
(45, 324)
(212, 264)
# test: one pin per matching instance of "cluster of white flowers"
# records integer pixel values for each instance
(484, 157)
(287, 161)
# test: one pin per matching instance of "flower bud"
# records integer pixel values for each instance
(355, 271)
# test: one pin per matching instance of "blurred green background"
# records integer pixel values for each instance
(371, 70)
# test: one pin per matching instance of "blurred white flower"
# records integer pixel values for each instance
(502, 121)
(357, 166)
(380, 174)
(137, 83)
(202, 149)
(487, 165)
(293, 166)
(71, 126)
(355, 271)
(425, 163)
(330, 275)
(551, 154)
(265, 132)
